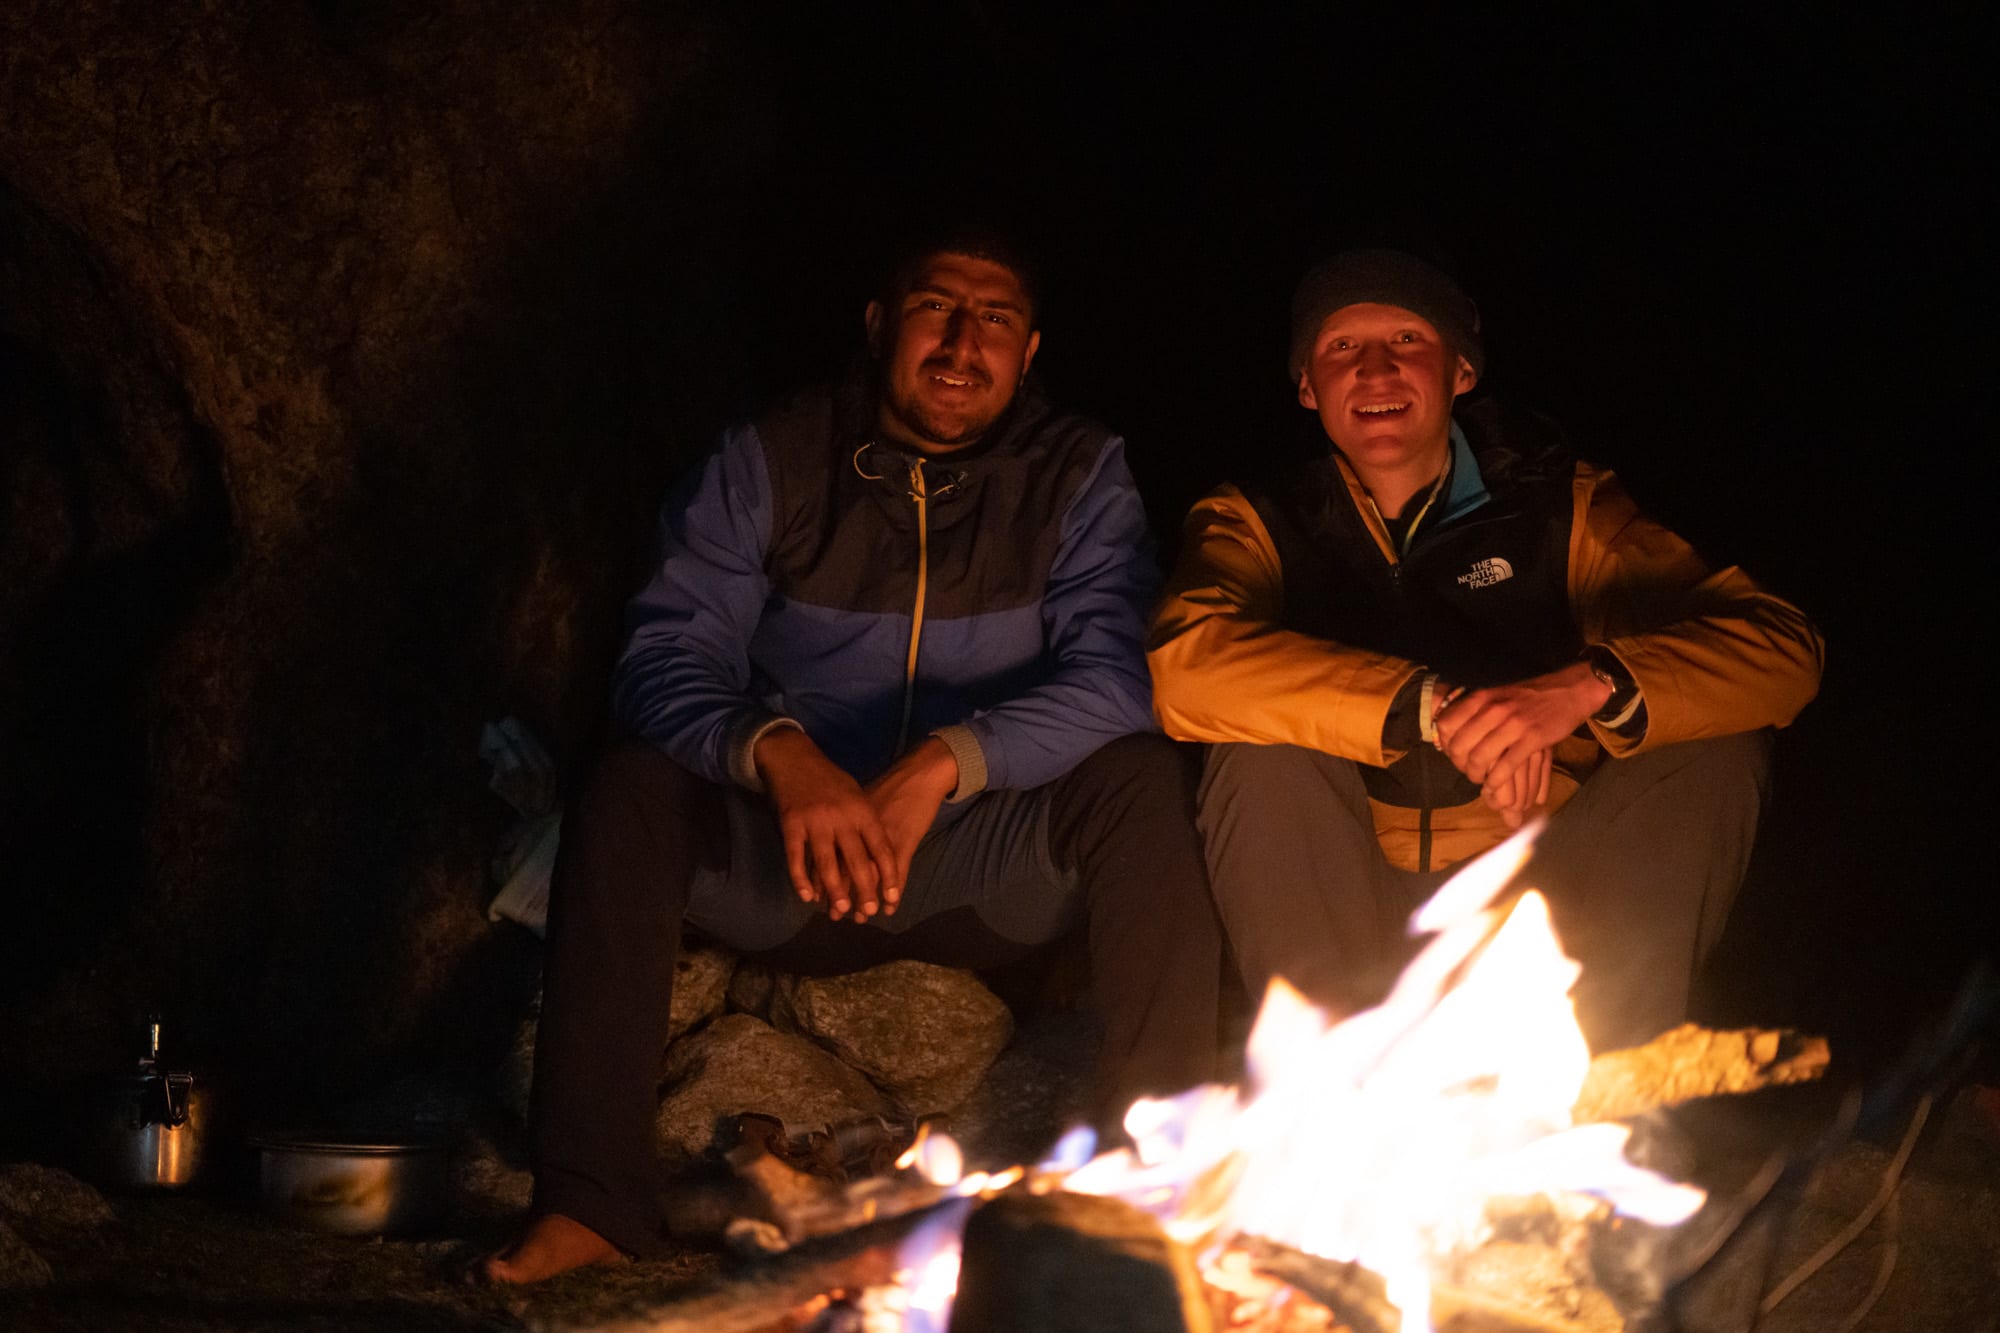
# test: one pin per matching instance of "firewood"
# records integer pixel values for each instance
(1057, 1260)
(1356, 1298)
(1692, 1061)
(784, 1189)
(1354, 1294)
(758, 1296)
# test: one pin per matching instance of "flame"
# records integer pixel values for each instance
(1380, 1138)
(920, 1298)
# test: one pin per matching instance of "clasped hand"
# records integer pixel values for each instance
(1503, 737)
(848, 846)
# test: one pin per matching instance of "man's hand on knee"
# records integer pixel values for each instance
(1503, 725)
(836, 849)
(906, 798)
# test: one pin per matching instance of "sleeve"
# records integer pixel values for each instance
(1224, 668)
(1093, 623)
(1712, 653)
(683, 681)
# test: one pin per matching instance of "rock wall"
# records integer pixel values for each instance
(347, 349)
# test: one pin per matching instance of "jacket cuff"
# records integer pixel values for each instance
(1406, 725)
(1624, 713)
(964, 747)
(754, 725)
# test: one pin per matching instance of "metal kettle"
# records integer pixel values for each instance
(148, 1128)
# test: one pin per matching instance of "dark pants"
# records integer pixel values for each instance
(647, 845)
(1640, 867)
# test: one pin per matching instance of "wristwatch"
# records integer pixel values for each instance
(1606, 667)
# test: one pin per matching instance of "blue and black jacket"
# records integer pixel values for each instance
(809, 574)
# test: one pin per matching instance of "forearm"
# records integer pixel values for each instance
(684, 679)
(1042, 734)
(1752, 662)
(928, 769)
(1712, 653)
(1223, 677)
(1224, 668)
(1095, 687)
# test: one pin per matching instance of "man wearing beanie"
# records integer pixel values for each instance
(1410, 642)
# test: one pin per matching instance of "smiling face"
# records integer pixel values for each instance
(952, 350)
(1383, 380)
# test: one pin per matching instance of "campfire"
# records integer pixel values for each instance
(1378, 1171)
(1380, 1140)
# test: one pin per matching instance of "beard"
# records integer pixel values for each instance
(941, 426)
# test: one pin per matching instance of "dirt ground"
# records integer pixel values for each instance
(212, 1264)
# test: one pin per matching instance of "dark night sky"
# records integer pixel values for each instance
(1733, 256)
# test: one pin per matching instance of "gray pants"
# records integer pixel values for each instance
(991, 856)
(1640, 867)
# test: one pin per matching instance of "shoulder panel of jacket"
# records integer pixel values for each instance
(1713, 653)
(1228, 666)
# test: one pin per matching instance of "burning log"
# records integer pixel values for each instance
(780, 1188)
(1357, 1299)
(1074, 1261)
(1689, 1062)
(1355, 1295)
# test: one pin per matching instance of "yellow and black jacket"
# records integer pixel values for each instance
(1292, 617)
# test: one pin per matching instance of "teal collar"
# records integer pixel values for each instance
(1455, 494)
(1465, 489)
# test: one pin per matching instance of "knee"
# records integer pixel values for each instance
(1280, 774)
(631, 778)
(1746, 755)
(1732, 770)
(629, 764)
(1145, 764)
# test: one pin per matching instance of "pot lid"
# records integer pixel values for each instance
(350, 1145)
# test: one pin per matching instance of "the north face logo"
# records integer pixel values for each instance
(1487, 572)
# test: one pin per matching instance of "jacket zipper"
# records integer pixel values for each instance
(1396, 581)
(1424, 797)
(920, 494)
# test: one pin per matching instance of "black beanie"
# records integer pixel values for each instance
(1388, 277)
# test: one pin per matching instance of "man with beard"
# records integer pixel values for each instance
(885, 697)
(1408, 643)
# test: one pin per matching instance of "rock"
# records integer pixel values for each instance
(701, 988)
(517, 1067)
(751, 989)
(50, 1206)
(924, 1034)
(277, 485)
(739, 1063)
(21, 1269)
(1035, 1091)
(484, 1182)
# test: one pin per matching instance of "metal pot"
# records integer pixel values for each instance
(353, 1187)
(148, 1129)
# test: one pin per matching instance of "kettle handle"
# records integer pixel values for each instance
(180, 1089)
(168, 1096)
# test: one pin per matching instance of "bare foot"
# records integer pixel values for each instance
(552, 1244)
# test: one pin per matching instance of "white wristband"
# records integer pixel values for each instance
(1426, 703)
